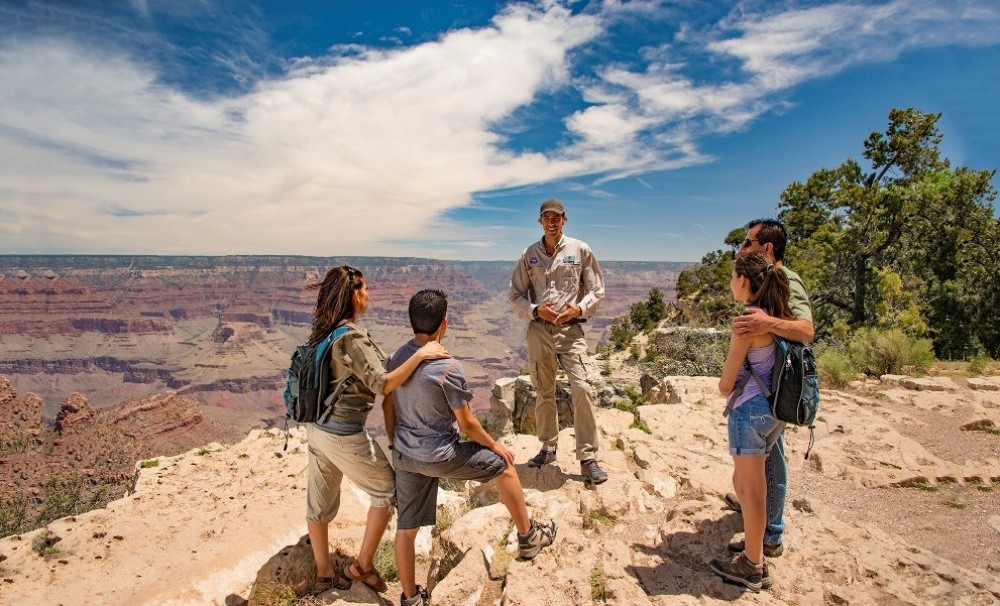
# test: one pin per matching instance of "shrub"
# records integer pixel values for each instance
(978, 366)
(836, 369)
(879, 352)
(691, 351)
(385, 561)
(13, 516)
(156, 462)
(65, 498)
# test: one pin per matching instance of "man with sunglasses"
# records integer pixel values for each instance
(769, 237)
(556, 285)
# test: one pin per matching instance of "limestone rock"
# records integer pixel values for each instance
(464, 584)
(293, 567)
(74, 413)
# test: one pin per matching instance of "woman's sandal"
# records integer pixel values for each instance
(335, 582)
(371, 578)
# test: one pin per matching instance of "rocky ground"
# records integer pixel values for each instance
(898, 504)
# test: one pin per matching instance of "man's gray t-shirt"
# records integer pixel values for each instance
(426, 428)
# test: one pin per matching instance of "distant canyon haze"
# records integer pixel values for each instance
(220, 330)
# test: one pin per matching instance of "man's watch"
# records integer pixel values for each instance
(534, 312)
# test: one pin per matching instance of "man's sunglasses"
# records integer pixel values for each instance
(746, 243)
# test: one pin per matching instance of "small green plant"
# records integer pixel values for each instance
(385, 561)
(635, 352)
(277, 594)
(926, 487)
(984, 488)
(13, 516)
(641, 426)
(606, 368)
(598, 592)
(445, 519)
(65, 498)
(599, 516)
(45, 545)
(200, 452)
(151, 463)
(978, 365)
(956, 504)
(15, 445)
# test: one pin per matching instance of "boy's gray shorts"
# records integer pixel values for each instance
(417, 482)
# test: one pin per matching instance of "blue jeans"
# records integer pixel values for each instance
(777, 487)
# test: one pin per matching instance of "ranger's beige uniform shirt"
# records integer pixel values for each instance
(571, 275)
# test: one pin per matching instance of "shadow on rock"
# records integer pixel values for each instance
(685, 555)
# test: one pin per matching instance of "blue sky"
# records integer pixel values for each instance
(435, 129)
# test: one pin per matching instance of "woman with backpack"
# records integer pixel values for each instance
(753, 429)
(339, 445)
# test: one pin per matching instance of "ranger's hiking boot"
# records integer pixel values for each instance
(544, 457)
(741, 571)
(592, 474)
(538, 536)
(770, 551)
(419, 599)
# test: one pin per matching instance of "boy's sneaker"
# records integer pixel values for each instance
(591, 473)
(770, 551)
(538, 536)
(733, 502)
(544, 457)
(419, 599)
(741, 571)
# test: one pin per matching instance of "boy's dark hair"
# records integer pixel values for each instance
(773, 232)
(427, 310)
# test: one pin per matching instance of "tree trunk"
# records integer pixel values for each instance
(860, 276)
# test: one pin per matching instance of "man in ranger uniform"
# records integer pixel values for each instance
(556, 286)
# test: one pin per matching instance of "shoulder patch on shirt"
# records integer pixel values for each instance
(533, 260)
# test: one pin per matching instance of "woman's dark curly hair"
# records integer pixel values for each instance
(334, 303)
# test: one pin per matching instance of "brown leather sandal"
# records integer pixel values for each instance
(371, 578)
(337, 582)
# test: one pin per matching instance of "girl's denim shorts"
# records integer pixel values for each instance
(753, 430)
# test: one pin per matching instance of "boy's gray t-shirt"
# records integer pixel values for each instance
(426, 428)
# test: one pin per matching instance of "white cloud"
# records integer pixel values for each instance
(363, 151)
(332, 159)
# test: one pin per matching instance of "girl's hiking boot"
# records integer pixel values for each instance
(418, 599)
(770, 551)
(741, 571)
(544, 457)
(592, 474)
(538, 536)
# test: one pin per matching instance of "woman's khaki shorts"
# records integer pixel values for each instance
(331, 457)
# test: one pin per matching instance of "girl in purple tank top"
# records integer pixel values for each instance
(753, 430)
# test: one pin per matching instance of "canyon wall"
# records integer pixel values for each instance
(220, 329)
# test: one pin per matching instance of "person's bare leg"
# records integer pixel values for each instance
(751, 487)
(406, 560)
(319, 537)
(512, 495)
(378, 520)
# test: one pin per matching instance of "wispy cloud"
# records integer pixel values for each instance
(363, 150)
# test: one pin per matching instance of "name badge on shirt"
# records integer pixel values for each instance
(569, 259)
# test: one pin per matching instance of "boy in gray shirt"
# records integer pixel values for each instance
(420, 418)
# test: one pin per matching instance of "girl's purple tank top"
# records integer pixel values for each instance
(762, 360)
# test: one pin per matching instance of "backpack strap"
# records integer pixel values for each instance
(735, 393)
(342, 387)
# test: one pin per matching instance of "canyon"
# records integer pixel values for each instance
(219, 330)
